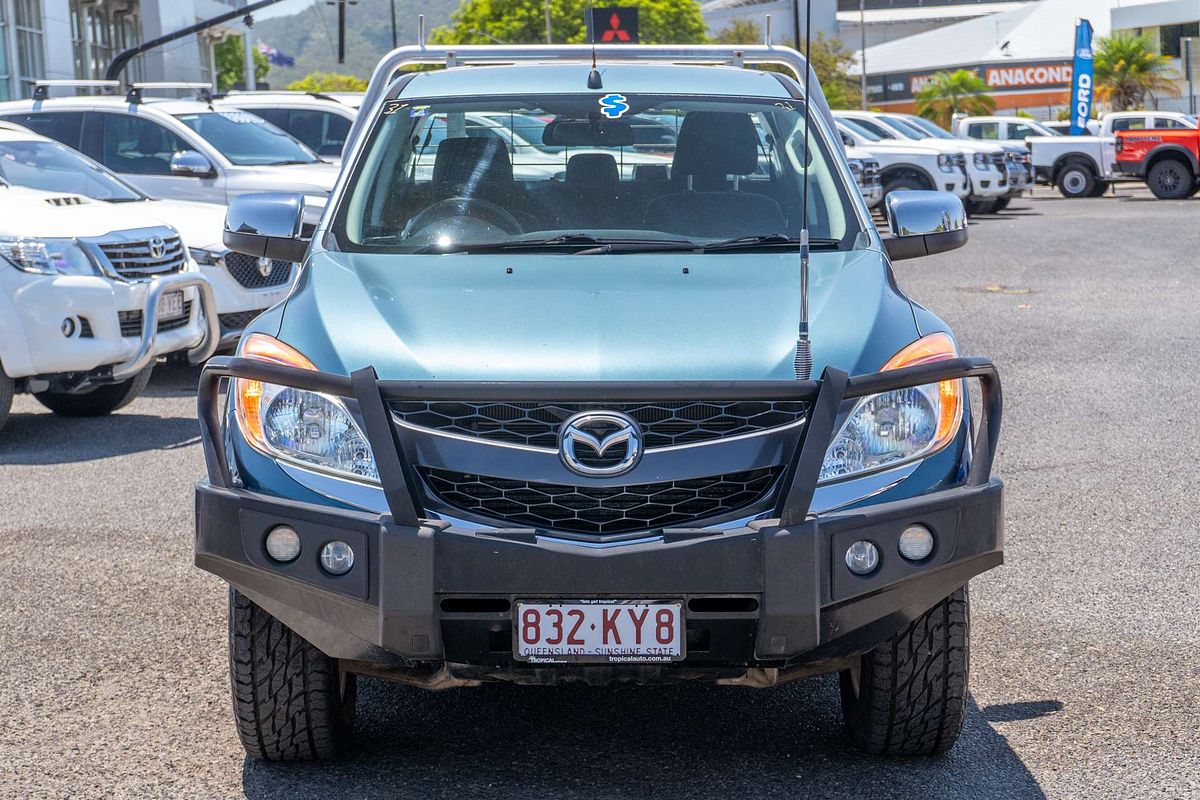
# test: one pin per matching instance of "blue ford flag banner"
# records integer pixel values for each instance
(1081, 80)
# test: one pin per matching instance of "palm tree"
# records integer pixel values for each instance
(949, 93)
(1127, 69)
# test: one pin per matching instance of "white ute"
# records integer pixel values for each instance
(907, 165)
(243, 286)
(90, 295)
(1083, 166)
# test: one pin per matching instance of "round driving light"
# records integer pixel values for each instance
(862, 557)
(283, 544)
(916, 543)
(337, 558)
(68, 327)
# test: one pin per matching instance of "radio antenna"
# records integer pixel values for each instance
(804, 361)
(594, 80)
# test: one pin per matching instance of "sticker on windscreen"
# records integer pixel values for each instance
(614, 106)
(418, 111)
(392, 106)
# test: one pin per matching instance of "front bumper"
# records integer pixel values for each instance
(431, 604)
(72, 324)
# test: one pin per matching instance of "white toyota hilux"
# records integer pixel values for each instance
(91, 294)
(243, 286)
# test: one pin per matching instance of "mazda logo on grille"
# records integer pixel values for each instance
(600, 443)
(265, 265)
(158, 248)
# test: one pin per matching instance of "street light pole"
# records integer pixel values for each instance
(862, 51)
(395, 41)
(251, 80)
(548, 39)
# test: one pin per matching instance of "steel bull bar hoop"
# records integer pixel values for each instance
(830, 398)
(480, 55)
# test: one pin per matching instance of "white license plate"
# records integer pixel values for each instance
(170, 305)
(599, 631)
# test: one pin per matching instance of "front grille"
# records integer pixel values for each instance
(997, 160)
(134, 259)
(237, 320)
(85, 329)
(131, 321)
(600, 510)
(245, 271)
(663, 424)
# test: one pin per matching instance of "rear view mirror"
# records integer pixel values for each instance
(924, 223)
(594, 132)
(268, 225)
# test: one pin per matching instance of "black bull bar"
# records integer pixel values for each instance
(402, 488)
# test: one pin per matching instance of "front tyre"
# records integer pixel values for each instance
(908, 696)
(1170, 179)
(290, 700)
(99, 402)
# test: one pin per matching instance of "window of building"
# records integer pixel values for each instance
(31, 58)
(99, 31)
(5, 71)
(1169, 36)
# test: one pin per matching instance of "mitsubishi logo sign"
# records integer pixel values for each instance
(613, 25)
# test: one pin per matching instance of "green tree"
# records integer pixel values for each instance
(832, 62)
(949, 93)
(524, 22)
(231, 64)
(328, 82)
(1127, 69)
(740, 31)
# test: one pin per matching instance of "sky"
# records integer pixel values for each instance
(283, 9)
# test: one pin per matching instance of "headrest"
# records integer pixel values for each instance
(714, 144)
(472, 161)
(594, 170)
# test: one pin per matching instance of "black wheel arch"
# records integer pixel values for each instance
(1074, 159)
(1174, 152)
(897, 171)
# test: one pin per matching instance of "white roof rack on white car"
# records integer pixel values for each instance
(41, 89)
(136, 91)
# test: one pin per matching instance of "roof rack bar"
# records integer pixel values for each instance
(137, 89)
(481, 55)
(41, 88)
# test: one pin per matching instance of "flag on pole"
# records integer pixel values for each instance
(276, 57)
(1082, 83)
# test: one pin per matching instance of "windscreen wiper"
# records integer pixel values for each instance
(588, 243)
(769, 240)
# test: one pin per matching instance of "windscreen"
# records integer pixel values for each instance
(248, 140)
(929, 127)
(609, 173)
(905, 128)
(51, 167)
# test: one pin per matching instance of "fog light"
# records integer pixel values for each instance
(916, 543)
(283, 544)
(337, 558)
(68, 327)
(862, 557)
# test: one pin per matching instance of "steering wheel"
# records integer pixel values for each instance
(474, 207)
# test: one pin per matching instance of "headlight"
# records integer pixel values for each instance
(856, 168)
(946, 162)
(893, 428)
(981, 160)
(307, 428)
(208, 258)
(46, 256)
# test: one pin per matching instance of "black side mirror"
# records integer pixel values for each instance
(268, 224)
(924, 223)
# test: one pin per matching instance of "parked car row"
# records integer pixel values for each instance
(1087, 165)
(915, 153)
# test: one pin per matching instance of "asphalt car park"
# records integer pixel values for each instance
(1085, 674)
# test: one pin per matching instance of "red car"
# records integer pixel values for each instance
(1167, 160)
